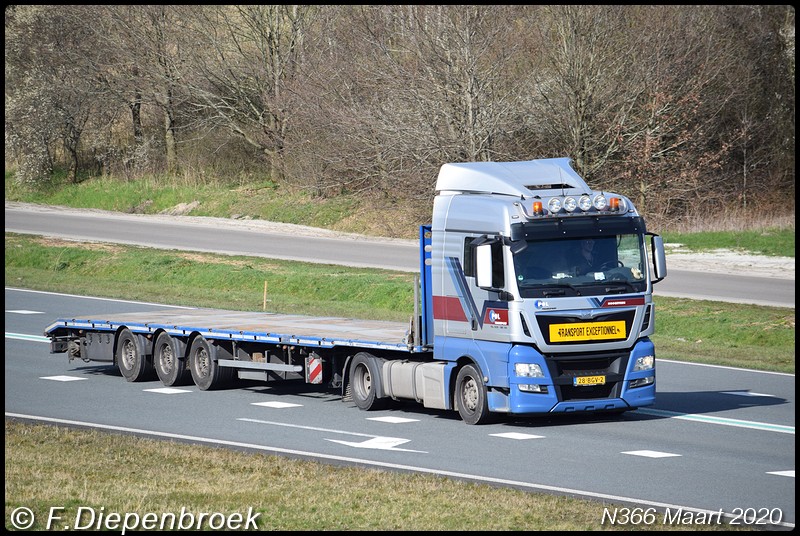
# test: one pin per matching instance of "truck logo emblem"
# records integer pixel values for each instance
(496, 317)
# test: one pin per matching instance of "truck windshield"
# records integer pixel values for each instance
(614, 264)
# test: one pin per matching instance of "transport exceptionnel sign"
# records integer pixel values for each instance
(590, 331)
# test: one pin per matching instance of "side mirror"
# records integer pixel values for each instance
(483, 266)
(659, 258)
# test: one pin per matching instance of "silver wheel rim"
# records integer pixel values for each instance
(166, 359)
(202, 362)
(469, 394)
(363, 382)
(128, 354)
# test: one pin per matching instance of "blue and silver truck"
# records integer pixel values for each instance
(534, 296)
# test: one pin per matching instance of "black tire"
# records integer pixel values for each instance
(131, 361)
(364, 381)
(471, 398)
(170, 365)
(206, 373)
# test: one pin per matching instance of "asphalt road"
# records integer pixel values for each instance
(229, 237)
(718, 439)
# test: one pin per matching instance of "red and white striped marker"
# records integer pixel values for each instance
(314, 370)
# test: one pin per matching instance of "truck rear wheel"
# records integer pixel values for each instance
(131, 361)
(364, 378)
(206, 372)
(471, 397)
(169, 364)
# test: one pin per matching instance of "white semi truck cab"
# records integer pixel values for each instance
(535, 296)
(543, 287)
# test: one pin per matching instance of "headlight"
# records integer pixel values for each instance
(554, 205)
(528, 370)
(599, 202)
(644, 363)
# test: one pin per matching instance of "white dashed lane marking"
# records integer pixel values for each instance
(746, 393)
(392, 420)
(782, 473)
(517, 435)
(651, 454)
(62, 378)
(277, 405)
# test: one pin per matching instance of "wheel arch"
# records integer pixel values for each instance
(143, 345)
(377, 358)
(190, 340)
(182, 342)
(461, 362)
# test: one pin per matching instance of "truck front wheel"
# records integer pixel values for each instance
(471, 395)
(364, 378)
(131, 361)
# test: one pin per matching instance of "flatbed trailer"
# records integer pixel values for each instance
(220, 345)
(245, 327)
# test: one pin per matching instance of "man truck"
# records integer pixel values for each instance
(508, 319)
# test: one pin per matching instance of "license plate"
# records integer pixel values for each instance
(589, 380)
(587, 331)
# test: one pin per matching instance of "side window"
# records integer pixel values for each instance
(469, 257)
(498, 271)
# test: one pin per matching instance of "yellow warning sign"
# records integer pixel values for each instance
(589, 331)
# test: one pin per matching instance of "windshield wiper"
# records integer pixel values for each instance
(619, 287)
(553, 289)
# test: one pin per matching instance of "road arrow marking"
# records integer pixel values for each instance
(374, 442)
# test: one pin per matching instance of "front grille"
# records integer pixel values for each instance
(646, 321)
(570, 392)
(565, 367)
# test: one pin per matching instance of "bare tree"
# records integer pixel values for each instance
(760, 124)
(149, 44)
(246, 68)
(415, 86)
(53, 95)
(667, 104)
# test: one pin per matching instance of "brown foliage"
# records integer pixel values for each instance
(679, 108)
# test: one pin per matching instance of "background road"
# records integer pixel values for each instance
(237, 237)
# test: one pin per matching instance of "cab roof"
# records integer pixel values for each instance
(522, 179)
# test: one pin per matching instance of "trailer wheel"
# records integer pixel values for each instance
(131, 361)
(206, 373)
(169, 364)
(471, 398)
(364, 378)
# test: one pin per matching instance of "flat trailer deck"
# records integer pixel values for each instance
(274, 328)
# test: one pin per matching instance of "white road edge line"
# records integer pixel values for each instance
(96, 298)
